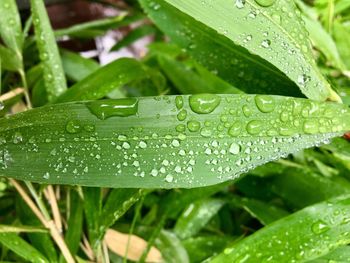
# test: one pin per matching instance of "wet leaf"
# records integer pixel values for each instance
(21, 248)
(221, 56)
(166, 142)
(54, 77)
(305, 235)
(196, 216)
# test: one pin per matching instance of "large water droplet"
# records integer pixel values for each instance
(182, 115)
(206, 132)
(107, 108)
(179, 101)
(204, 103)
(73, 126)
(193, 126)
(319, 227)
(265, 103)
(265, 3)
(254, 127)
(235, 129)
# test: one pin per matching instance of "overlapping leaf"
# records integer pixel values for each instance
(272, 30)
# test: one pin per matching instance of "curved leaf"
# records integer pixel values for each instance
(54, 77)
(231, 62)
(196, 216)
(273, 31)
(170, 141)
(302, 236)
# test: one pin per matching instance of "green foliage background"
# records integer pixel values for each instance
(238, 107)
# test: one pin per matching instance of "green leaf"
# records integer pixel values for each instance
(104, 80)
(264, 212)
(76, 67)
(196, 216)
(188, 81)
(203, 247)
(9, 59)
(171, 248)
(75, 223)
(230, 62)
(98, 27)
(92, 210)
(302, 236)
(134, 35)
(41, 241)
(310, 187)
(342, 38)
(340, 255)
(54, 77)
(164, 142)
(10, 26)
(117, 204)
(21, 248)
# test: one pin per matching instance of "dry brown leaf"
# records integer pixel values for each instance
(117, 242)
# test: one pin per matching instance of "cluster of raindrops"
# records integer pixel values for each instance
(281, 15)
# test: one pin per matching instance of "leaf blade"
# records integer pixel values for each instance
(54, 77)
(164, 139)
(276, 23)
(314, 225)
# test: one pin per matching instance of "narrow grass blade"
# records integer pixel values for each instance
(302, 236)
(21, 248)
(92, 210)
(54, 77)
(162, 142)
(104, 80)
(9, 59)
(97, 27)
(196, 216)
(19, 229)
(272, 30)
(10, 26)
(75, 224)
(40, 241)
(117, 204)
